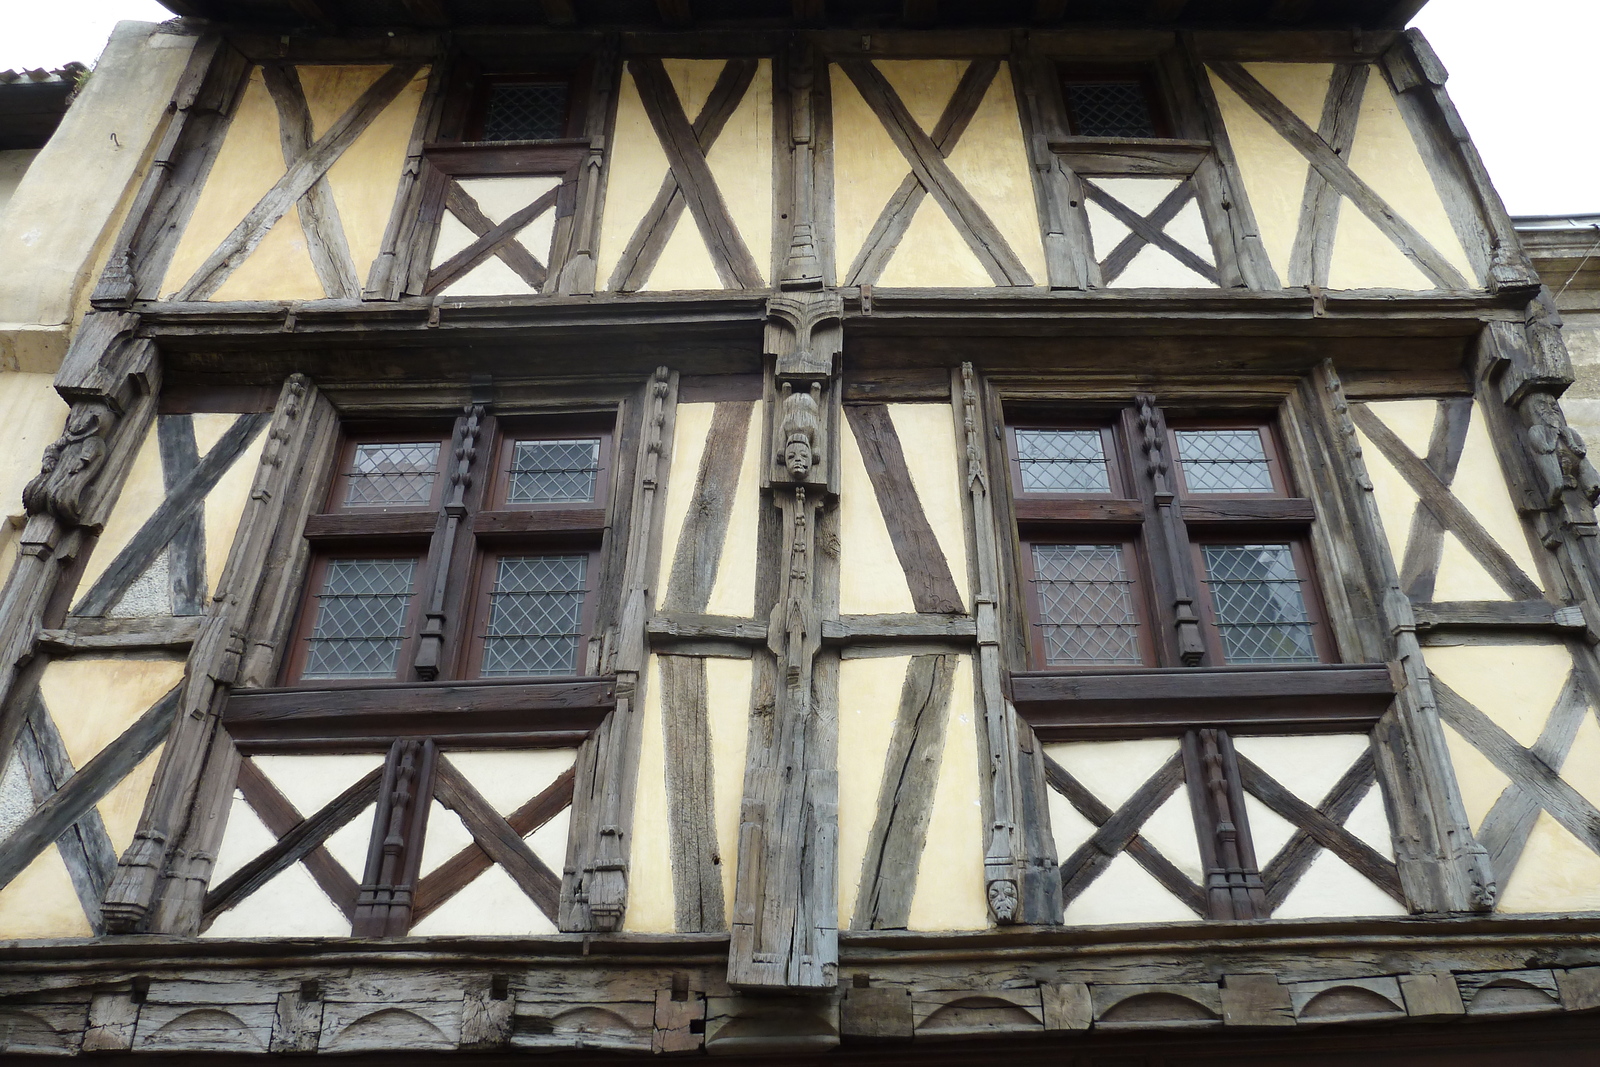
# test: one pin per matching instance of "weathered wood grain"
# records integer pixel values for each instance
(278, 814)
(1311, 257)
(1425, 541)
(1284, 870)
(496, 837)
(1148, 230)
(891, 864)
(186, 552)
(933, 589)
(691, 803)
(705, 526)
(493, 239)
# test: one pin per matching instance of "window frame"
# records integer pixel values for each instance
(1134, 563)
(309, 608)
(1088, 73)
(476, 620)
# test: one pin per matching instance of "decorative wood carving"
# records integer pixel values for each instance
(464, 452)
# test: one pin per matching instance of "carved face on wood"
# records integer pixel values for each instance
(797, 457)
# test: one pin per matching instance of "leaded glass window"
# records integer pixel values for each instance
(554, 472)
(1062, 461)
(526, 111)
(1259, 604)
(361, 618)
(1086, 606)
(1224, 461)
(389, 475)
(535, 615)
(1115, 107)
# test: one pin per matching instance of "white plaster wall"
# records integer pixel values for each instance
(13, 165)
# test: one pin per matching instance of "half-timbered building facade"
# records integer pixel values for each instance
(861, 530)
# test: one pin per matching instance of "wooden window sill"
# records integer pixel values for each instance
(1108, 157)
(542, 713)
(1140, 702)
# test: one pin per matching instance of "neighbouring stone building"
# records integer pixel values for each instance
(868, 531)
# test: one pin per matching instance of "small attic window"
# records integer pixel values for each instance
(525, 109)
(1103, 103)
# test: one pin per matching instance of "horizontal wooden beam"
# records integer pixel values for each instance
(682, 624)
(1498, 614)
(1326, 698)
(1119, 157)
(551, 520)
(552, 713)
(122, 635)
(1296, 510)
(344, 525)
(849, 628)
(1045, 509)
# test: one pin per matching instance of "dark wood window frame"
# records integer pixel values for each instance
(1145, 75)
(415, 719)
(1185, 691)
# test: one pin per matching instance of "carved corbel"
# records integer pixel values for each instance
(71, 463)
(804, 335)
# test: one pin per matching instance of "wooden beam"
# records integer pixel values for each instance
(1082, 704)
(705, 527)
(675, 13)
(1498, 614)
(316, 12)
(559, 12)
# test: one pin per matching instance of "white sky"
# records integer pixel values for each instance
(1519, 73)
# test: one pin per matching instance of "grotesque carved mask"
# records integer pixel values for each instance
(801, 427)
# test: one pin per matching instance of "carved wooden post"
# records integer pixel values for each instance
(594, 893)
(1166, 540)
(464, 454)
(154, 864)
(577, 270)
(1442, 867)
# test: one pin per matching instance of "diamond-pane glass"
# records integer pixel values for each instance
(1261, 609)
(392, 475)
(1085, 601)
(553, 472)
(1224, 461)
(1062, 461)
(1109, 109)
(526, 112)
(361, 615)
(534, 616)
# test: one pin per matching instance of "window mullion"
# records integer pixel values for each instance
(1234, 889)
(1166, 538)
(450, 551)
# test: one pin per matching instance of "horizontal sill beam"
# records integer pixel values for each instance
(545, 714)
(83, 634)
(1498, 614)
(1326, 698)
(846, 629)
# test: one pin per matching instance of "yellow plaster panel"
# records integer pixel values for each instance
(1582, 766)
(685, 262)
(1395, 498)
(224, 509)
(366, 177)
(741, 163)
(40, 902)
(1462, 577)
(1556, 872)
(1302, 87)
(688, 444)
(1411, 420)
(950, 892)
(734, 590)
(728, 717)
(332, 89)
(651, 902)
(869, 700)
(933, 253)
(1515, 685)
(693, 80)
(120, 808)
(867, 168)
(633, 177)
(1481, 782)
(1480, 485)
(925, 86)
(279, 268)
(1365, 258)
(1386, 158)
(249, 163)
(928, 437)
(142, 492)
(871, 580)
(1274, 174)
(992, 162)
(209, 428)
(94, 700)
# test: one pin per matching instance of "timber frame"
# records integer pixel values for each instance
(789, 344)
